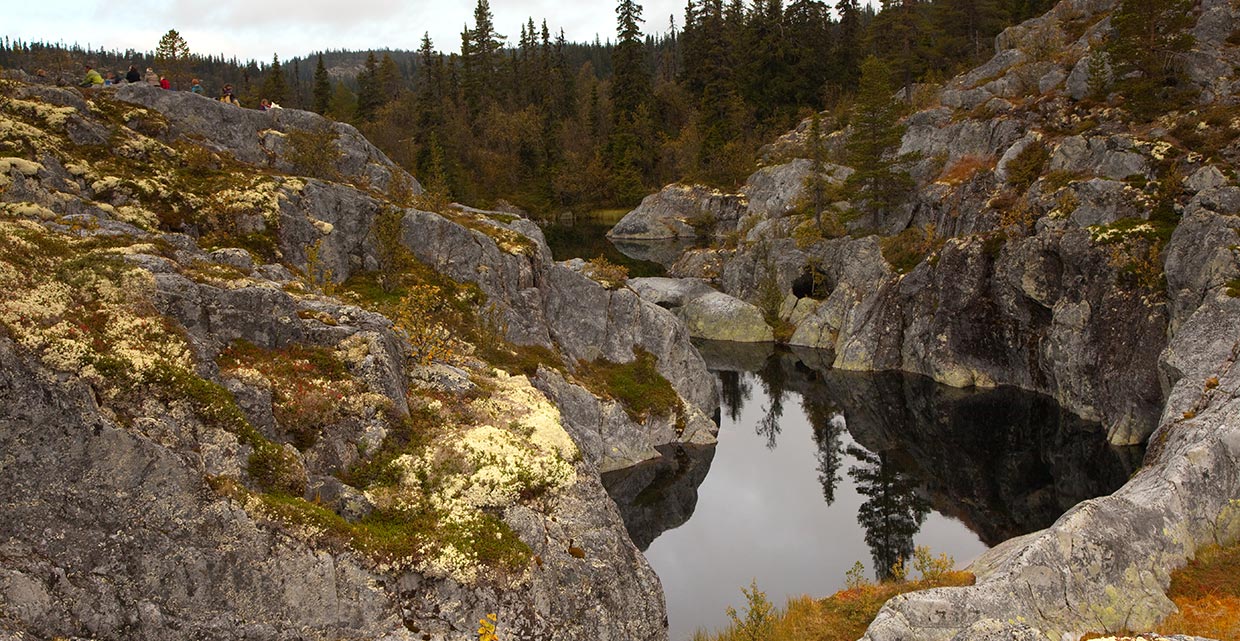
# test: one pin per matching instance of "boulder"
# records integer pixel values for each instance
(670, 293)
(673, 212)
(717, 316)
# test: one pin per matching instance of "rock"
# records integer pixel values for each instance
(343, 499)
(1052, 80)
(717, 316)
(670, 293)
(608, 438)
(1101, 202)
(1180, 499)
(1078, 83)
(672, 213)
(441, 377)
(233, 257)
(1011, 154)
(1200, 260)
(772, 192)
(1113, 157)
(1208, 177)
(246, 134)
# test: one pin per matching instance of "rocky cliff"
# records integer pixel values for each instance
(250, 391)
(1056, 243)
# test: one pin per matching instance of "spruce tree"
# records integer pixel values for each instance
(878, 180)
(369, 96)
(964, 29)
(480, 56)
(847, 49)
(275, 88)
(322, 87)
(1147, 35)
(628, 151)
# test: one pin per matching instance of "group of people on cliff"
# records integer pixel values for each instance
(94, 79)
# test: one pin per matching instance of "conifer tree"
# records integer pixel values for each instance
(628, 147)
(847, 49)
(878, 180)
(172, 56)
(897, 31)
(964, 29)
(1147, 36)
(322, 87)
(369, 96)
(275, 88)
(388, 80)
(480, 57)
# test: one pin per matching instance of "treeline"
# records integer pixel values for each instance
(551, 125)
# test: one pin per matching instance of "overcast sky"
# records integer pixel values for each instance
(259, 28)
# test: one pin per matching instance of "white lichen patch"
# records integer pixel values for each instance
(52, 116)
(522, 451)
(26, 167)
(323, 226)
(94, 321)
(259, 195)
(28, 210)
(1107, 233)
(137, 216)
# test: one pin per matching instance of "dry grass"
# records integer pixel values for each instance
(965, 169)
(1207, 591)
(845, 615)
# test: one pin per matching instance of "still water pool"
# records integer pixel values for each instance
(817, 469)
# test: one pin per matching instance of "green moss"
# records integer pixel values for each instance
(520, 359)
(261, 245)
(405, 435)
(272, 468)
(637, 385)
(1027, 166)
(993, 244)
(389, 536)
(308, 383)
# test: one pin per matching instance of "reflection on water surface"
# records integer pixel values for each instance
(816, 469)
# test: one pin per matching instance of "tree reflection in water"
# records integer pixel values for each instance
(1002, 461)
(734, 390)
(828, 424)
(892, 511)
(774, 380)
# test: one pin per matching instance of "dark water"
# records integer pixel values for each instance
(816, 469)
(586, 237)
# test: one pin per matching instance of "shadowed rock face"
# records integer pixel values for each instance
(1004, 461)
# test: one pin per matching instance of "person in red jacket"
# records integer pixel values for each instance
(164, 84)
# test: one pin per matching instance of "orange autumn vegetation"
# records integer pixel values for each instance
(845, 615)
(1207, 591)
(965, 168)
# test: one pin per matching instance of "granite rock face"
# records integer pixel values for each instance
(1066, 274)
(119, 523)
